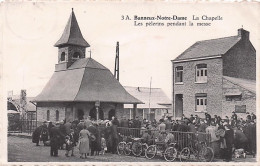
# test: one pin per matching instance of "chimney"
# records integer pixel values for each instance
(243, 34)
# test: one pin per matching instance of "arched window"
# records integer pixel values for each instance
(62, 57)
(57, 115)
(76, 55)
(48, 115)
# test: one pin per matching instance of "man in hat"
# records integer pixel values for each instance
(146, 137)
(191, 118)
(114, 137)
(115, 120)
(136, 124)
(208, 118)
(196, 121)
(124, 122)
(161, 139)
(229, 137)
(44, 133)
(175, 125)
(214, 141)
(203, 126)
(233, 119)
(67, 126)
(191, 127)
(81, 125)
(168, 124)
(248, 117)
(55, 136)
(93, 143)
(36, 135)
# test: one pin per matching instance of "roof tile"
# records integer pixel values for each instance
(209, 48)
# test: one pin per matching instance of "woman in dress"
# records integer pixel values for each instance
(84, 142)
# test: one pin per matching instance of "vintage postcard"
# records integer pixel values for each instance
(147, 83)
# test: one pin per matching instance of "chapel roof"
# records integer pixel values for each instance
(85, 81)
(72, 34)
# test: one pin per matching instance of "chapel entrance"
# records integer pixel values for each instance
(80, 114)
(111, 113)
(93, 113)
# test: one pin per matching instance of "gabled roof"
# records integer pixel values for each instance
(209, 48)
(29, 105)
(158, 98)
(249, 85)
(72, 34)
(85, 81)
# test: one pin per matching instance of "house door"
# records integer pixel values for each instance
(178, 105)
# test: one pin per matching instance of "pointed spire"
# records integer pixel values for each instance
(72, 34)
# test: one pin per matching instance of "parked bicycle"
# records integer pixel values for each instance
(197, 151)
(168, 150)
(122, 147)
(134, 146)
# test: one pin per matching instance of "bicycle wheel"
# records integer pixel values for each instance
(144, 147)
(128, 147)
(150, 152)
(185, 154)
(121, 148)
(170, 154)
(206, 154)
(137, 149)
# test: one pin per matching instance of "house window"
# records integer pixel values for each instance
(57, 115)
(179, 74)
(48, 115)
(201, 102)
(240, 108)
(62, 57)
(234, 98)
(201, 73)
(76, 55)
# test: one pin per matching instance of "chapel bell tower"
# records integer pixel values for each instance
(72, 46)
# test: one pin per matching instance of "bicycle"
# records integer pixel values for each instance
(202, 153)
(169, 151)
(133, 146)
(138, 148)
(122, 147)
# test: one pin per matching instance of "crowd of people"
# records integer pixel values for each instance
(97, 137)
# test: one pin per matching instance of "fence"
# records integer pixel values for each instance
(182, 139)
(21, 125)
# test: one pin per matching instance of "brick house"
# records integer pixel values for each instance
(216, 76)
(80, 86)
(153, 98)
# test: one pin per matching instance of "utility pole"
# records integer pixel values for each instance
(116, 73)
(149, 114)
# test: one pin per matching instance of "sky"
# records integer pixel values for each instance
(31, 29)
